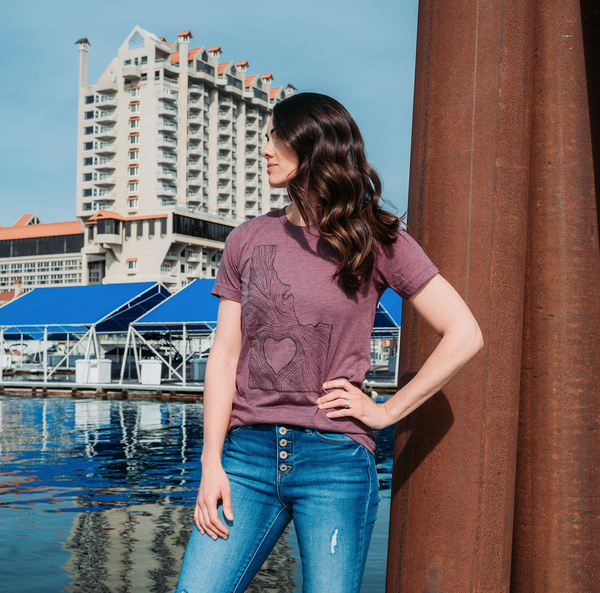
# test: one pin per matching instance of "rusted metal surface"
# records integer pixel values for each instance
(557, 516)
(453, 483)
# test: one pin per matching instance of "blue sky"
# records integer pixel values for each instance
(362, 53)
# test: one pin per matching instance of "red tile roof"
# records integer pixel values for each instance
(268, 76)
(115, 216)
(187, 33)
(6, 297)
(216, 48)
(41, 230)
(274, 92)
(162, 39)
(243, 63)
(191, 55)
(249, 80)
(24, 220)
(223, 67)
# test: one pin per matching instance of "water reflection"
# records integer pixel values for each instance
(99, 494)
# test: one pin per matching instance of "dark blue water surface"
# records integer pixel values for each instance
(98, 496)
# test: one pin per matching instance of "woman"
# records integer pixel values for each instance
(298, 289)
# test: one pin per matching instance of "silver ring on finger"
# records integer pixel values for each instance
(347, 404)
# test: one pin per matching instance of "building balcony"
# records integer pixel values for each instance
(106, 180)
(251, 113)
(166, 157)
(105, 239)
(194, 165)
(132, 71)
(105, 164)
(105, 148)
(225, 102)
(167, 109)
(224, 145)
(168, 95)
(251, 169)
(166, 125)
(223, 175)
(107, 133)
(195, 103)
(166, 175)
(171, 255)
(250, 183)
(166, 191)
(194, 182)
(252, 140)
(194, 134)
(106, 117)
(224, 115)
(250, 198)
(224, 132)
(167, 142)
(195, 151)
(107, 102)
(195, 90)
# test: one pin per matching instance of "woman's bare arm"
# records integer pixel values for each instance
(219, 387)
(448, 315)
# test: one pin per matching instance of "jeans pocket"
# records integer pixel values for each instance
(236, 430)
(338, 438)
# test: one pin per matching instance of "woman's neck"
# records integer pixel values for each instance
(293, 214)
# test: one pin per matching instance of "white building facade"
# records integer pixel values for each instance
(168, 159)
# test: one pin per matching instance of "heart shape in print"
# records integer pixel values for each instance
(279, 353)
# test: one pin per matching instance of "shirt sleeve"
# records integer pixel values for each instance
(403, 266)
(228, 282)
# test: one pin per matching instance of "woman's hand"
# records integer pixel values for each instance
(214, 486)
(360, 406)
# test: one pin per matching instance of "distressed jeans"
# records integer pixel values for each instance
(325, 482)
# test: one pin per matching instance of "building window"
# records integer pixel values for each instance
(134, 155)
(88, 146)
(132, 203)
(90, 233)
(88, 176)
(29, 279)
(134, 171)
(134, 108)
(163, 226)
(131, 264)
(87, 193)
(157, 75)
(89, 100)
(56, 266)
(165, 267)
(134, 139)
(29, 266)
(144, 60)
(43, 279)
(56, 278)
(134, 123)
(128, 229)
(88, 161)
(72, 278)
(144, 76)
(72, 264)
(134, 92)
(88, 115)
(140, 229)
(133, 186)
(151, 227)
(88, 130)
(43, 266)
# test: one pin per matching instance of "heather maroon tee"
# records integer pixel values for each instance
(300, 327)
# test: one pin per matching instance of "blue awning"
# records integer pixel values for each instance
(389, 310)
(74, 309)
(193, 306)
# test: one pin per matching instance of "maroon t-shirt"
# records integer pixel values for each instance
(300, 327)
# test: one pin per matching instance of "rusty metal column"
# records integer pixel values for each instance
(557, 504)
(454, 461)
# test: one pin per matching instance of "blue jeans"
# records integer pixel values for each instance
(325, 482)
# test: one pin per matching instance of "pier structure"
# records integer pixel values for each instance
(496, 485)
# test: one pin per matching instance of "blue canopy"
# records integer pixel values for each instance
(193, 306)
(74, 309)
(389, 310)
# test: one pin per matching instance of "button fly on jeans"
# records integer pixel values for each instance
(283, 467)
(283, 454)
(282, 430)
(283, 442)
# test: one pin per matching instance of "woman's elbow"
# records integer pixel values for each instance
(476, 339)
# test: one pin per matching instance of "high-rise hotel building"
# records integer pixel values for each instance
(168, 159)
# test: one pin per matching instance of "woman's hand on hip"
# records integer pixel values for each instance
(214, 486)
(347, 400)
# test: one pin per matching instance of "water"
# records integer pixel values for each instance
(97, 496)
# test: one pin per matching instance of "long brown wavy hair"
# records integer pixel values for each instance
(333, 166)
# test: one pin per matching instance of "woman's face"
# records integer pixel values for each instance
(282, 161)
